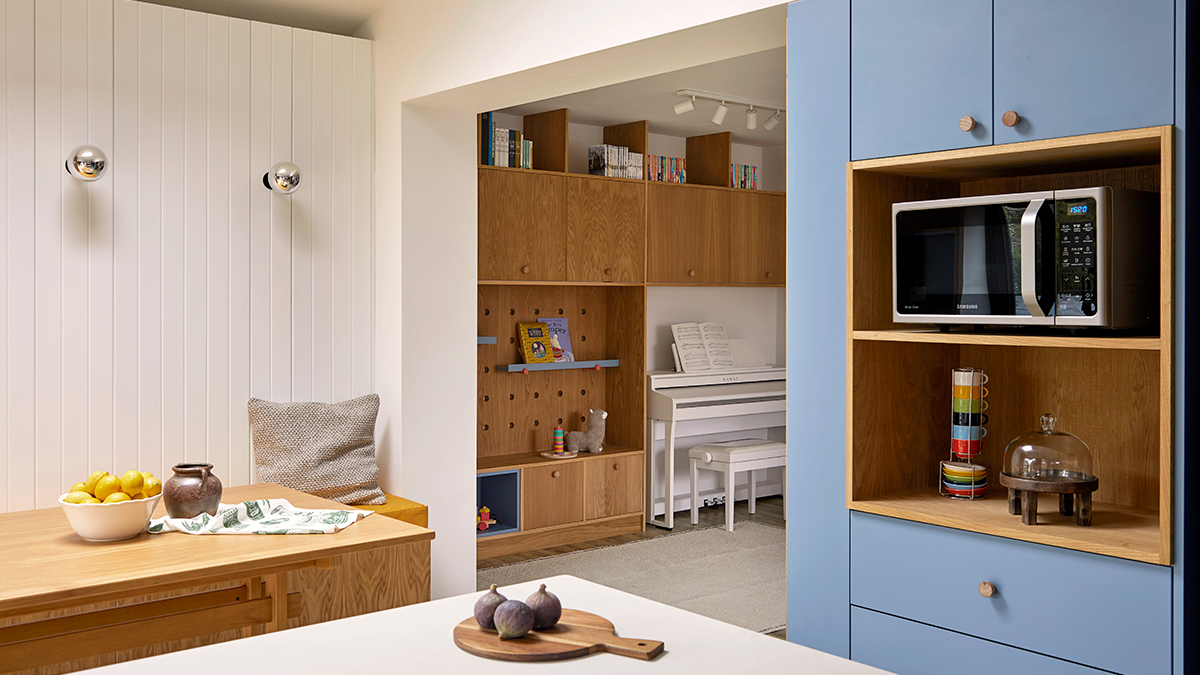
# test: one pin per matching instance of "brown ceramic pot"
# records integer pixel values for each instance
(191, 491)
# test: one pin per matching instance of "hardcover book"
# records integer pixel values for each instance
(560, 339)
(535, 342)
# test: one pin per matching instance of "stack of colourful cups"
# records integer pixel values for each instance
(969, 416)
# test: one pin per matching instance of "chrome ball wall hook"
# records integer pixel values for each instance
(283, 178)
(87, 163)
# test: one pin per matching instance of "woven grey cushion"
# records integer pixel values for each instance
(324, 449)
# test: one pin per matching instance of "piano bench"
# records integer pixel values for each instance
(731, 457)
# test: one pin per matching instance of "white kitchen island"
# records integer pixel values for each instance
(419, 639)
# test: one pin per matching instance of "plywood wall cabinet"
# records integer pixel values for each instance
(552, 495)
(522, 225)
(606, 230)
(687, 234)
(757, 237)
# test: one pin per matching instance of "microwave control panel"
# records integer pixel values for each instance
(1078, 249)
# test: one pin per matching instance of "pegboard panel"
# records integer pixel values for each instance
(517, 412)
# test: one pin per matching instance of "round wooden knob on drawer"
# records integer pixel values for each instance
(617, 466)
(768, 275)
(525, 269)
(607, 272)
(691, 273)
(966, 123)
(554, 475)
(987, 589)
(1010, 118)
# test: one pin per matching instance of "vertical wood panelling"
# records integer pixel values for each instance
(302, 204)
(195, 235)
(363, 142)
(19, 154)
(343, 217)
(125, 265)
(217, 340)
(48, 175)
(321, 188)
(140, 312)
(98, 449)
(241, 183)
(149, 208)
(281, 216)
(76, 231)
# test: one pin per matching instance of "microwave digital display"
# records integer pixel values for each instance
(1082, 208)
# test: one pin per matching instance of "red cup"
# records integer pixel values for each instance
(966, 449)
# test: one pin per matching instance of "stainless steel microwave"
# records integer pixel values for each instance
(1082, 257)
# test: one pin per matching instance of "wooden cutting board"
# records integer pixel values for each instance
(577, 634)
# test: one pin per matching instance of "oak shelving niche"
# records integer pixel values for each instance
(1113, 392)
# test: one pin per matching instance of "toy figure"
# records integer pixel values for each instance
(591, 440)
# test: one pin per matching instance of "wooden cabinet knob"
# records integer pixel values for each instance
(617, 466)
(987, 589)
(525, 269)
(966, 123)
(1010, 118)
(608, 271)
(554, 475)
(691, 273)
(768, 275)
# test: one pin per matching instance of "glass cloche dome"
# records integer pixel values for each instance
(1049, 455)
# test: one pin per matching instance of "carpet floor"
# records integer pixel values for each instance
(738, 577)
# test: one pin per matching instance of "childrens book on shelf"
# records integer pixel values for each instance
(535, 342)
(702, 346)
(560, 339)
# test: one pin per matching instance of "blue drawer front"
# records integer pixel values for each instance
(1103, 612)
(1073, 67)
(910, 648)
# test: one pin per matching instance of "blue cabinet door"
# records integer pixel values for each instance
(1073, 67)
(916, 68)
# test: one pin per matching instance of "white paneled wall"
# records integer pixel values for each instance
(140, 312)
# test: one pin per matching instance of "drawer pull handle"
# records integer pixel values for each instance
(966, 123)
(555, 475)
(768, 275)
(525, 269)
(617, 467)
(987, 589)
(1010, 118)
(608, 271)
(691, 273)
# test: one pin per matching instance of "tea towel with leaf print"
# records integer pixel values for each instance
(261, 516)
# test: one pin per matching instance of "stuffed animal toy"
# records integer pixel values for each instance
(591, 440)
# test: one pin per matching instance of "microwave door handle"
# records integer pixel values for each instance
(1029, 258)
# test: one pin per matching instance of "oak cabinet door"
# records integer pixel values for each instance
(606, 230)
(916, 69)
(688, 234)
(757, 238)
(551, 495)
(612, 486)
(1073, 67)
(522, 226)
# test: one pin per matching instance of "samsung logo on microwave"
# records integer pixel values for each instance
(968, 306)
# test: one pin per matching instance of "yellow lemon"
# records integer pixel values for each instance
(90, 500)
(89, 485)
(78, 487)
(76, 497)
(131, 482)
(151, 487)
(116, 497)
(106, 486)
(146, 474)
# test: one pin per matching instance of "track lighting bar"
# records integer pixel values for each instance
(723, 98)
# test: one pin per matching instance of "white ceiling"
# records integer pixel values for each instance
(761, 76)
(343, 17)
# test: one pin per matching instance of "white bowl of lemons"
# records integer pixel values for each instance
(111, 508)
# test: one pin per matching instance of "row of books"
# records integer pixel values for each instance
(668, 169)
(743, 176)
(503, 147)
(614, 161)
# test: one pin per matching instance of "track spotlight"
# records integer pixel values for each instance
(719, 114)
(751, 118)
(685, 106)
(772, 121)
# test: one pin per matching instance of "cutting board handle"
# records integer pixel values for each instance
(638, 649)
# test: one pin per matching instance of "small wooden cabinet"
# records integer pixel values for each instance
(551, 495)
(522, 225)
(606, 229)
(613, 486)
(757, 238)
(688, 234)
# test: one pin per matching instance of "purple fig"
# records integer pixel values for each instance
(513, 619)
(546, 608)
(485, 608)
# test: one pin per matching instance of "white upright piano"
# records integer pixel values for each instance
(677, 397)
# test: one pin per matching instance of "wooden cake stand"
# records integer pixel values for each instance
(1023, 496)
